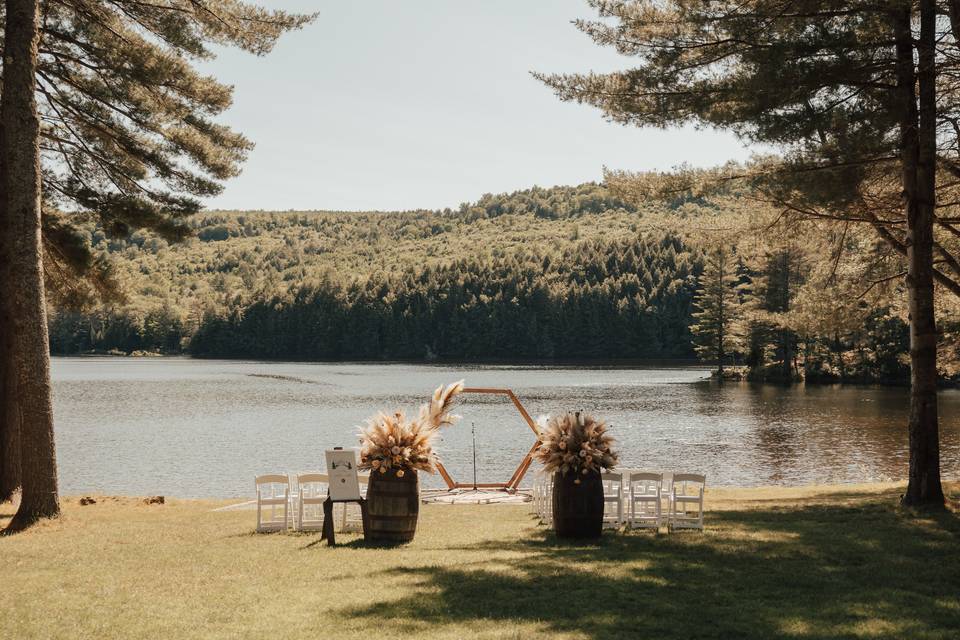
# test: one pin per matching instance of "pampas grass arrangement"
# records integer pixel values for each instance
(391, 442)
(575, 443)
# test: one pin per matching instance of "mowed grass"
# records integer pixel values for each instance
(813, 563)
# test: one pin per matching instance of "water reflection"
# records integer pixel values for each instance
(837, 434)
(205, 428)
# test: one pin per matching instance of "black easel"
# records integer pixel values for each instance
(328, 526)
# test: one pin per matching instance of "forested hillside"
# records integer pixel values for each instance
(566, 272)
(627, 298)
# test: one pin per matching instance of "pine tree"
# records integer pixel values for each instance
(718, 304)
(21, 191)
(848, 91)
(128, 139)
(9, 421)
(774, 280)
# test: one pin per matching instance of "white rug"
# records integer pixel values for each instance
(474, 496)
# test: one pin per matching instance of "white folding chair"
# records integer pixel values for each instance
(535, 496)
(548, 499)
(273, 491)
(543, 497)
(686, 501)
(645, 495)
(612, 499)
(666, 490)
(312, 491)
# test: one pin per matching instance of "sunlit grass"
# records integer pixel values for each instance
(817, 563)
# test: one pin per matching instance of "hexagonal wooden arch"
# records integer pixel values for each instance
(514, 481)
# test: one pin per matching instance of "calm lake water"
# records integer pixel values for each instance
(200, 428)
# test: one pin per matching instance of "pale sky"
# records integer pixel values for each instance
(389, 104)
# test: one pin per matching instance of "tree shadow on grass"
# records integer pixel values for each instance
(811, 572)
(886, 496)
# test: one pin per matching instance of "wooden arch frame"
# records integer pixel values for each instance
(514, 481)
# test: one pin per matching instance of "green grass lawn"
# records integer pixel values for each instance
(825, 563)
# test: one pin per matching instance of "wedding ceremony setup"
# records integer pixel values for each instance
(576, 492)
(485, 319)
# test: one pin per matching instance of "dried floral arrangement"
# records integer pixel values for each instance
(391, 442)
(577, 443)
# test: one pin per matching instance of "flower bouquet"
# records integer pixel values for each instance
(394, 449)
(575, 447)
(390, 442)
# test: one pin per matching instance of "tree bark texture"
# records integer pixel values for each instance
(9, 429)
(21, 158)
(918, 148)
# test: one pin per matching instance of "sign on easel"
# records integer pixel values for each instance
(344, 482)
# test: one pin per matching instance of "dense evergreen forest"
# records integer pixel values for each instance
(567, 273)
(595, 299)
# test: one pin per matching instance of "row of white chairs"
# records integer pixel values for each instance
(298, 505)
(637, 499)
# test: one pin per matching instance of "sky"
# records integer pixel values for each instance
(395, 105)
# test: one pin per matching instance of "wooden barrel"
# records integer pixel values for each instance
(578, 508)
(393, 505)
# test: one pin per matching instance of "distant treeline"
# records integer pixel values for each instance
(159, 330)
(615, 300)
(622, 299)
(559, 273)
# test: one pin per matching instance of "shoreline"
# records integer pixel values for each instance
(720, 498)
(672, 363)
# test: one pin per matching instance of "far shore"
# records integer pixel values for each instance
(732, 375)
(688, 363)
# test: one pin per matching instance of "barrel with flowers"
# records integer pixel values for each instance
(394, 450)
(575, 447)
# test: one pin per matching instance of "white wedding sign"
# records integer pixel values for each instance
(342, 473)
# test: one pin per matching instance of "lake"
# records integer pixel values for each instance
(202, 428)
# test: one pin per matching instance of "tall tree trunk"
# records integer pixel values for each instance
(918, 137)
(9, 425)
(785, 334)
(9, 429)
(21, 157)
(721, 308)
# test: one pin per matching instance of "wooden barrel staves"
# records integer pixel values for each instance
(578, 508)
(393, 505)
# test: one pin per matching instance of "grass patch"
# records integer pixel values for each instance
(818, 563)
